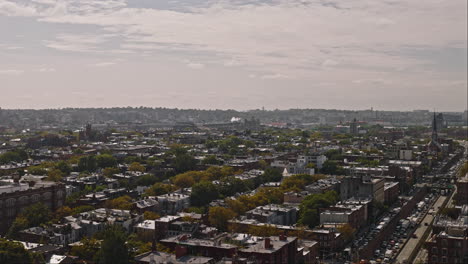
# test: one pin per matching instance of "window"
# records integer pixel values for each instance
(434, 258)
(444, 251)
(434, 250)
(444, 242)
(444, 259)
(10, 202)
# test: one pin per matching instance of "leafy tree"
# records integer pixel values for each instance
(87, 163)
(82, 209)
(271, 175)
(347, 231)
(37, 214)
(64, 167)
(62, 212)
(203, 193)
(310, 207)
(334, 154)
(183, 180)
(106, 161)
(87, 250)
(108, 172)
(147, 180)
(14, 252)
(237, 206)
(148, 215)
(219, 216)
(136, 166)
(113, 248)
(20, 223)
(122, 203)
(232, 185)
(331, 168)
(54, 175)
(159, 189)
(13, 156)
(184, 162)
(212, 160)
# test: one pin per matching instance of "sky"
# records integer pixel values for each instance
(234, 54)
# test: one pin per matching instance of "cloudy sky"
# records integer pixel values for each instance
(238, 54)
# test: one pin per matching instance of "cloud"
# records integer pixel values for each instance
(103, 64)
(275, 76)
(196, 66)
(330, 63)
(45, 69)
(11, 72)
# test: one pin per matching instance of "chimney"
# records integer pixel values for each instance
(267, 243)
(180, 251)
(283, 237)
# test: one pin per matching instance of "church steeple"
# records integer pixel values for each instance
(434, 129)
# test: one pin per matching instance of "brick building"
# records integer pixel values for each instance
(16, 195)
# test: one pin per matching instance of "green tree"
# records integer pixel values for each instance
(20, 223)
(14, 252)
(159, 189)
(310, 207)
(113, 248)
(219, 216)
(37, 214)
(331, 168)
(64, 167)
(203, 193)
(122, 203)
(105, 161)
(184, 162)
(136, 166)
(108, 172)
(147, 180)
(87, 250)
(183, 180)
(87, 163)
(54, 175)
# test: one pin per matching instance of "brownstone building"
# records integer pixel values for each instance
(15, 196)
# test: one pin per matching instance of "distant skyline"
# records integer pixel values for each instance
(234, 54)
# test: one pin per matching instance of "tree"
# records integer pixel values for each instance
(147, 180)
(183, 180)
(122, 203)
(106, 161)
(136, 166)
(310, 207)
(87, 250)
(184, 162)
(331, 168)
(148, 215)
(37, 214)
(347, 231)
(20, 223)
(159, 189)
(54, 175)
(219, 216)
(113, 248)
(271, 175)
(64, 167)
(203, 193)
(212, 160)
(108, 172)
(87, 163)
(62, 212)
(14, 252)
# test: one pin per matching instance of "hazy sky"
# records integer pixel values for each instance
(239, 54)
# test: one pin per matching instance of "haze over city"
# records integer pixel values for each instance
(234, 54)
